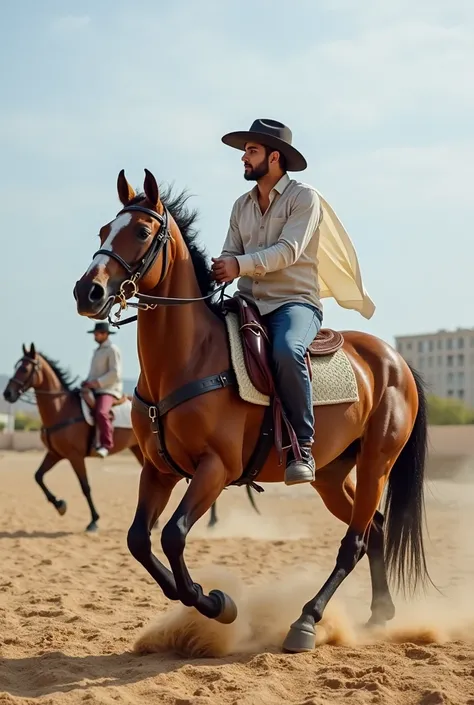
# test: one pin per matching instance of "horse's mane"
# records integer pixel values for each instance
(185, 220)
(64, 376)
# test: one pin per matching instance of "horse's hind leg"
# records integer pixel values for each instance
(79, 467)
(377, 456)
(49, 461)
(213, 517)
(382, 607)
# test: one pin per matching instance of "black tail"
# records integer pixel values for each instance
(251, 498)
(404, 506)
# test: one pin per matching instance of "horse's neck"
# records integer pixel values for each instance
(178, 344)
(52, 405)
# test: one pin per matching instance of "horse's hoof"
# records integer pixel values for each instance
(61, 507)
(228, 613)
(301, 637)
(92, 527)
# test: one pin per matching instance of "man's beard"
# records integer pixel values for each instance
(257, 172)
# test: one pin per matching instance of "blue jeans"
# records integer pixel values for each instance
(292, 329)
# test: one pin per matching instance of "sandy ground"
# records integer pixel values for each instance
(74, 606)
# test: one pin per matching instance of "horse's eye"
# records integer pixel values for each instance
(143, 234)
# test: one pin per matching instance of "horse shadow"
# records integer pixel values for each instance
(56, 672)
(34, 534)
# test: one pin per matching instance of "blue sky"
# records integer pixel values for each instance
(379, 98)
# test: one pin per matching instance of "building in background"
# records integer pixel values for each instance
(445, 359)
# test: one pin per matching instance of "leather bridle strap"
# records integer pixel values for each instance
(139, 269)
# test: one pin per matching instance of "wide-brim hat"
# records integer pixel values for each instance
(102, 327)
(273, 134)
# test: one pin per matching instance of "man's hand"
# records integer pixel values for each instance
(225, 269)
(92, 384)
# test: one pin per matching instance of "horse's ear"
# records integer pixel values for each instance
(24, 349)
(125, 191)
(151, 188)
(33, 350)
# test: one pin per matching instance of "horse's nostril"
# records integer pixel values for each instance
(96, 293)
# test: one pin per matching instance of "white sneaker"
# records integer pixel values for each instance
(102, 452)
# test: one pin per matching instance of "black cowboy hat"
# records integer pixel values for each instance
(102, 327)
(272, 134)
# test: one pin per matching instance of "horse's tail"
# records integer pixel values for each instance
(252, 499)
(404, 506)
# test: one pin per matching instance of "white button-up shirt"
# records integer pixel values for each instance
(277, 251)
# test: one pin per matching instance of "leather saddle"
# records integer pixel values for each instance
(257, 353)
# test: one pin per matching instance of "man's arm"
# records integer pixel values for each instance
(233, 244)
(296, 234)
(114, 372)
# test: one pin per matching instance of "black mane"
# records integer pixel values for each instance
(64, 377)
(185, 220)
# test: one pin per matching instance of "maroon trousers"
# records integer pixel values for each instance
(103, 404)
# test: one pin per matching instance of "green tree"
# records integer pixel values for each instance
(26, 422)
(446, 412)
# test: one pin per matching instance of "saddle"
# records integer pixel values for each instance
(257, 353)
(90, 399)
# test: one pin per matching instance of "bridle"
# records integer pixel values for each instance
(24, 386)
(137, 270)
(27, 383)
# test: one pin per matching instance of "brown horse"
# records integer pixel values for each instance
(190, 420)
(65, 432)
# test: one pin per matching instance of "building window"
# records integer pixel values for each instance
(461, 379)
(430, 361)
(449, 360)
(408, 346)
(450, 378)
(460, 343)
(460, 393)
(449, 344)
(421, 363)
(461, 360)
(431, 345)
(420, 346)
(450, 393)
(440, 344)
(440, 360)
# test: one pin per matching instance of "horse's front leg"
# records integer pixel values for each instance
(205, 487)
(154, 493)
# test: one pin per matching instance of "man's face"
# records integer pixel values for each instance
(255, 162)
(100, 337)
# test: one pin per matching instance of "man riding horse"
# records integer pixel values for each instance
(105, 380)
(272, 245)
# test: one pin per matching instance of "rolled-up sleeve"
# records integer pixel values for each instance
(300, 227)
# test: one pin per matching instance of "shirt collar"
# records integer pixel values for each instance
(279, 187)
(106, 344)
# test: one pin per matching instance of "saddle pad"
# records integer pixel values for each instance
(122, 417)
(334, 380)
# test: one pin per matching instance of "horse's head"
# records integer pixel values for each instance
(133, 251)
(26, 375)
